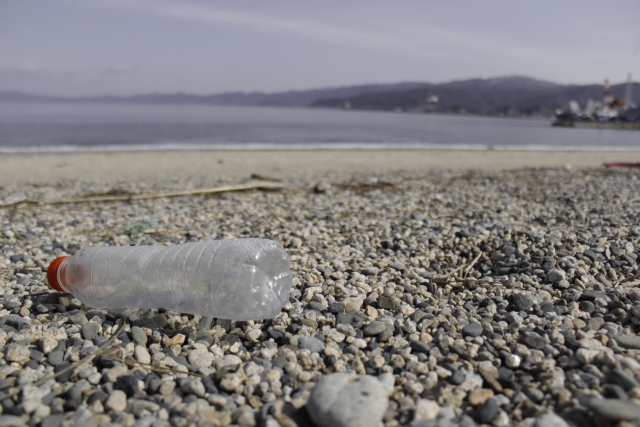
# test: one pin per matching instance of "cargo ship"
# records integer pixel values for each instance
(611, 113)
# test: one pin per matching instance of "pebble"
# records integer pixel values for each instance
(556, 275)
(253, 334)
(615, 410)
(375, 328)
(549, 420)
(193, 386)
(16, 353)
(117, 401)
(487, 411)
(522, 302)
(138, 335)
(473, 329)
(547, 318)
(628, 341)
(426, 410)
(312, 344)
(129, 384)
(200, 358)
(345, 400)
(90, 330)
(479, 396)
(78, 319)
(142, 354)
(621, 378)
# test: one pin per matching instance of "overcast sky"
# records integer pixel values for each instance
(74, 47)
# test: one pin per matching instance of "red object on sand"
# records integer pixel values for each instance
(621, 165)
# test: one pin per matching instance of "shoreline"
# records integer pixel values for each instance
(280, 164)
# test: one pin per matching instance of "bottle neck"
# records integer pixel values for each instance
(57, 274)
(62, 274)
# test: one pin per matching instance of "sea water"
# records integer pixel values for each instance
(72, 127)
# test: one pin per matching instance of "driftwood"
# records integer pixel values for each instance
(131, 197)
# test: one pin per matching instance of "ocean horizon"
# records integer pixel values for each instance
(75, 128)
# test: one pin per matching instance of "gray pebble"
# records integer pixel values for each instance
(375, 328)
(487, 411)
(90, 330)
(549, 420)
(523, 302)
(347, 400)
(78, 319)
(628, 341)
(535, 394)
(312, 344)
(619, 377)
(556, 275)
(138, 335)
(615, 410)
(473, 329)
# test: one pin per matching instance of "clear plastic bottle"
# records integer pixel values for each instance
(240, 279)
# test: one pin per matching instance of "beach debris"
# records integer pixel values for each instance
(132, 197)
(140, 226)
(621, 165)
(239, 279)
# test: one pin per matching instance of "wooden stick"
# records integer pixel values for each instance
(130, 197)
(468, 269)
(222, 189)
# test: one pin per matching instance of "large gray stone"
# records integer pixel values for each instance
(628, 341)
(347, 400)
(614, 410)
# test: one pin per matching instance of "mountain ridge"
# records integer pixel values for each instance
(505, 95)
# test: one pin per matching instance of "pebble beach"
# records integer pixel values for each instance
(421, 298)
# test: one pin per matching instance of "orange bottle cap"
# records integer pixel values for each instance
(52, 274)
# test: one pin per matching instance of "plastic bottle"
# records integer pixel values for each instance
(241, 279)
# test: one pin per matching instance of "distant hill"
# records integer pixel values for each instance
(513, 95)
(282, 99)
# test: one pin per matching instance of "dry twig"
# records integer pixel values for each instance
(131, 197)
(73, 365)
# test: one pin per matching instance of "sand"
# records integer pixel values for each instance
(40, 168)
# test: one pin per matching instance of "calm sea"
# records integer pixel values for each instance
(31, 127)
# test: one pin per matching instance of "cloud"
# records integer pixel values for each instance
(119, 69)
(20, 70)
(407, 39)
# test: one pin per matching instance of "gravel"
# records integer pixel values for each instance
(420, 299)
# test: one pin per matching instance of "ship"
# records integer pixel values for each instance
(610, 113)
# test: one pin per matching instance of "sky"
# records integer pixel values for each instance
(122, 47)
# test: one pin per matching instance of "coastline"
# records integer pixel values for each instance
(280, 164)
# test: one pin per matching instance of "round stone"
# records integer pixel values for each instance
(487, 411)
(312, 344)
(374, 328)
(473, 329)
(138, 335)
(253, 334)
(117, 400)
(142, 354)
(347, 400)
(90, 330)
